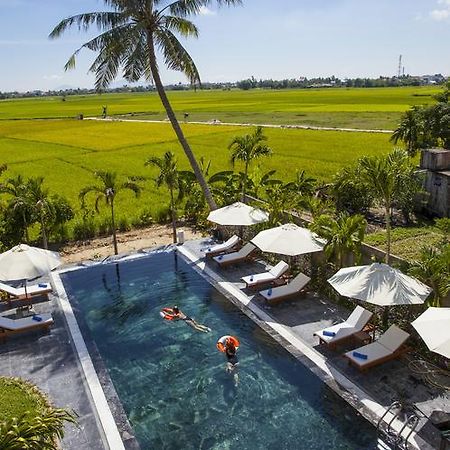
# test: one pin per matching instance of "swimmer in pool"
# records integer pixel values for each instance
(189, 320)
(232, 360)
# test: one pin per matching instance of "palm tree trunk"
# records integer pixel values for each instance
(43, 231)
(113, 226)
(244, 182)
(172, 210)
(176, 126)
(388, 232)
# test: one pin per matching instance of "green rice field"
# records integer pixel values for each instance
(376, 108)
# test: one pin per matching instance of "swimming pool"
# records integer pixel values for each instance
(171, 380)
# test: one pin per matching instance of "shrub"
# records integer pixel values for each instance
(123, 224)
(84, 229)
(162, 214)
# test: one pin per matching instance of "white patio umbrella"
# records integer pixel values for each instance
(289, 240)
(23, 262)
(434, 328)
(379, 284)
(238, 214)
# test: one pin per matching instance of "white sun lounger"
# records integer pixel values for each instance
(32, 290)
(356, 322)
(288, 290)
(10, 326)
(388, 346)
(273, 274)
(222, 248)
(236, 257)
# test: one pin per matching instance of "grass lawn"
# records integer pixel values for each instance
(407, 242)
(67, 152)
(18, 396)
(338, 107)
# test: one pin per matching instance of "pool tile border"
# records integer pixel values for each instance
(338, 382)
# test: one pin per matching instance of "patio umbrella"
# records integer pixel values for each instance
(379, 284)
(238, 214)
(23, 262)
(289, 240)
(434, 328)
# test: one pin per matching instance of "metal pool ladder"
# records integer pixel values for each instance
(390, 438)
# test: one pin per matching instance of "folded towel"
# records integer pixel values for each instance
(37, 318)
(269, 292)
(328, 333)
(42, 285)
(360, 355)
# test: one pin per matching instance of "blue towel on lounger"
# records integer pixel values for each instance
(360, 355)
(220, 257)
(37, 318)
(42, 285)
(269, 292)
(329, 333)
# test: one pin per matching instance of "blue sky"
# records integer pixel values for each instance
(265, 38)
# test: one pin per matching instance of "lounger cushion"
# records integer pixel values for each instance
(374, 351)
(243, 253)
(393, 338)
(296, 285)
(228, 244)
(266, 277)
(25, 322)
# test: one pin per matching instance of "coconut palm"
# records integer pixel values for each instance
(168, 176)
(410, 130)
(18, 201)
(344, 235)
(40, 203)
(246, 149)
(107, 190)
(302, 184)
(131, 33)
(385, 176)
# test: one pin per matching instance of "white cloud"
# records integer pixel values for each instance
(205, 11)
(443, 13)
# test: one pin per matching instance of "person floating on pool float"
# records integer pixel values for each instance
(229, 345)
(175, 313)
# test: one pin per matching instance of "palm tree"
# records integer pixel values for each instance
(410, 130)
(168, 176)
(246, 149)
(107, 190)
(130, 35)
(302, 184)
(19, 201)
(385, 177)
(344, 235)
(40, 204)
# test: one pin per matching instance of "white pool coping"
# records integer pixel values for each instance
(110, 431)
(315, 357)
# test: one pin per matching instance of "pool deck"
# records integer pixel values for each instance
(293, 323)
(52, 362)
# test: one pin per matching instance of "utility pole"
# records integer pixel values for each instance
(399, 73)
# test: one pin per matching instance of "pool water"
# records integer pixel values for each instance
(172, 380)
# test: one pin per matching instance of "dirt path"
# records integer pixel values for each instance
(218, 123)
(100, 248)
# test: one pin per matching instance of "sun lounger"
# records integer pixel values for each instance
(274, 274)
(33, 290)
(340, 332)
(297, 284)
(9, 326)
(222, 248)
(390, 345)
(235, 257)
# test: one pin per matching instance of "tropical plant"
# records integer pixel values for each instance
(247, 148)
(62, 212)
(18, 201)
(279, 203)
(40, 204)
(385, 176)
(168, 176)
(433, 268)
(302, 185)
(261, 181)
(130, 35)
(107, 190)
(35, 432)
(344, 234)
(410, 130)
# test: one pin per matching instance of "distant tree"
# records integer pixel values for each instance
(247, 148)
(168, 176)
(410, 130)
(130, 35)
(107, 190)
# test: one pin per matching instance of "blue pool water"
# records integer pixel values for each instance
(172, 381)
